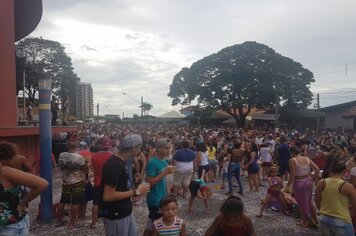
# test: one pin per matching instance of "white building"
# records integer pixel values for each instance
(84, 100)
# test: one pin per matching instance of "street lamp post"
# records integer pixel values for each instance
(276, 124)
(21, 54)
(141, 104)
(97, 113)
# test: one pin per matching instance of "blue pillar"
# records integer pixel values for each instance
(45, 149)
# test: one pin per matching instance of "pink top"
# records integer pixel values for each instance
(301, 169)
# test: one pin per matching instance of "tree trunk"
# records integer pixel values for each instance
(31, 95)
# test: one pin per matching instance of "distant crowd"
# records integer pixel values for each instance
(310, 175)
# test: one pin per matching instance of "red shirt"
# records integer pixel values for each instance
(85, 153)
(98, 160)
(320, 160)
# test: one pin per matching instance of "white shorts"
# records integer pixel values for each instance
(182, 178)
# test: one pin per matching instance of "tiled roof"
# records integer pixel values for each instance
(350, 113)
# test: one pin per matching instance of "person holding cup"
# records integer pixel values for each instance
(156, 171)
(115, 186)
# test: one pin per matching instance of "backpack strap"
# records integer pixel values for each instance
(341, 185)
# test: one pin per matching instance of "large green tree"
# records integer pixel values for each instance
(241, 77)
(47, 59)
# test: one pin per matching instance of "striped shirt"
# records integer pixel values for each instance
(171, 230)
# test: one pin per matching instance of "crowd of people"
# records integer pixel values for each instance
(310, 175)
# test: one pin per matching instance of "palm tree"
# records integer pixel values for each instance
(146, 107)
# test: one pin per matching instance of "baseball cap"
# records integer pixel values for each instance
(130, 140)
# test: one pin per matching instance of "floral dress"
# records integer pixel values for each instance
(9, 201)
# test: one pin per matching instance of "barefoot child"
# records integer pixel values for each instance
(199, 189)
(169, 223)
(274, 190)
(289, 203)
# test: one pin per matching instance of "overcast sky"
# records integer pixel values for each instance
(136, 47)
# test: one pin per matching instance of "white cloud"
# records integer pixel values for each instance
(137, 47)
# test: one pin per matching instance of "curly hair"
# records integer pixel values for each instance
(7, 150)
(232, 206)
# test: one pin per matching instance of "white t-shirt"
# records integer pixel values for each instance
(225, 165)
(204, 159)
(183, 166)
(265, 154)
(273, 144)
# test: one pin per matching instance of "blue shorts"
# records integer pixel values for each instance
(20, 228)
(213, 164)
(332, 226)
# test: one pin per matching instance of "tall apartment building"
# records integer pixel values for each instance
(84, 101)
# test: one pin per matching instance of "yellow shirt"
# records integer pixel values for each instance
(211, 154)
(334, 203)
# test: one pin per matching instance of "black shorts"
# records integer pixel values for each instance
(201, 168)
(89, 192)
(73, 193)
(283, 167)
(194, 188)
(154, 213)
(266, 164)
(253, 169)
(96, 197)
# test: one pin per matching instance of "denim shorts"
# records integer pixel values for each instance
(332, 226)
(213, 163)
(20, 228)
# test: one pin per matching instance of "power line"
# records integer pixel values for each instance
(346, 68)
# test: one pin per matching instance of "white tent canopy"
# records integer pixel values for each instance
(172, 115)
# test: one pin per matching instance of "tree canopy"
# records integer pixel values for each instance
(48, 59)
(241, 77)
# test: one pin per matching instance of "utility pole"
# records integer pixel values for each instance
(140, 103)
(141, 106)
(97, 113)
(277, 106)
(24, 99)
(318, 110)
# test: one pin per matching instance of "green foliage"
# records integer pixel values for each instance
(243, 76)
(146, 107)
(48, 59)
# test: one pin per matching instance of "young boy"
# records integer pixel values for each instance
(169, 223)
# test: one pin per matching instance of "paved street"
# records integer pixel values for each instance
(198, 221)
